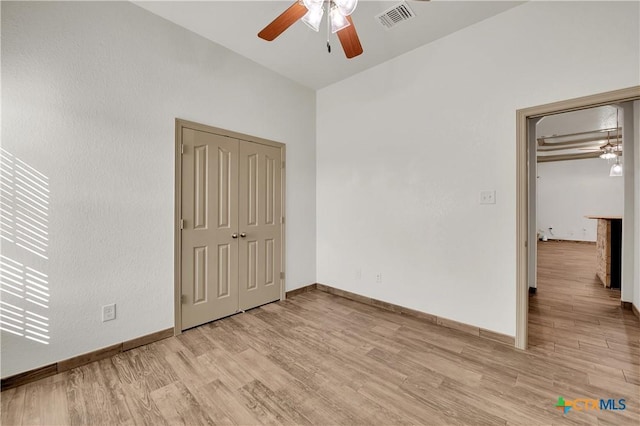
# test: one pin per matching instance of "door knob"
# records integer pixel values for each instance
(242, 234)
(234, 235)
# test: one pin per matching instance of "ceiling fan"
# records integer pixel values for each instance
(608, 150)
(310, 12)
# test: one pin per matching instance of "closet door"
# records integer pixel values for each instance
(210, 229)
(260, 228)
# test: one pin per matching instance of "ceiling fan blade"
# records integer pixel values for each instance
(349, 40)
(282, 22)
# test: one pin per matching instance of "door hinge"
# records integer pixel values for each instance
(283, 164)
(181, 148)
(282, 220)
(181, 223)
(282, 275)
(183, 299)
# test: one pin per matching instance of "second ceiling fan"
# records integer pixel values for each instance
(310, 12)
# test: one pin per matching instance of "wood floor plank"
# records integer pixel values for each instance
(225, 332)
(398, 401)
(31, 414)
(149, 367)
(12, 402)
(96, 395)
(77, 406)
(178, 405)
(632, 376)
(141, 406)
(455, 410)
(222, 404)
(191, 370)
(114, 392)
(279, 407)
(357, 407)
(226, 368)
(54, 408)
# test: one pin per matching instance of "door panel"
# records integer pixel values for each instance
(260, 207)
(210, 213)
(200, 260)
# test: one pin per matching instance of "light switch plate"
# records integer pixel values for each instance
(109, 312)
(487, 197)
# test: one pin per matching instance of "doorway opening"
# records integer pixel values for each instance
(526, 232)
(574, 288)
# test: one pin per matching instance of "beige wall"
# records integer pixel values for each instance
(405, 148)
(90, 92)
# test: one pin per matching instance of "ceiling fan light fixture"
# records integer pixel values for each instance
(312, 4)
(313, 17)
(616, 169)
(338, 20)
(608, 155)
(346, 7)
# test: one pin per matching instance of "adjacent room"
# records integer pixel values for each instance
(580, 203)
(320, 212)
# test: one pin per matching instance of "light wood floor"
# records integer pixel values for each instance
(321, 359)
(574, 315)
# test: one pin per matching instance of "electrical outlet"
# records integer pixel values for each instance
(487, 197)
(379, 277)
(109, 312)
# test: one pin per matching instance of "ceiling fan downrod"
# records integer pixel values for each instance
(328, 3)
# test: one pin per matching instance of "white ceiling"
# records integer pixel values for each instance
(578, 132)
(300, 53)
(597, 118)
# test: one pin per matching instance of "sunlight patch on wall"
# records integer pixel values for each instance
(29, 288)
(24, 225)
(25, 202)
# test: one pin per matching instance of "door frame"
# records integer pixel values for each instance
(182, 124)
(522, 188)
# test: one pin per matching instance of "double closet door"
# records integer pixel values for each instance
(231, 226)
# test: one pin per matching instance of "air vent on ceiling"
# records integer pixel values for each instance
(393, 16)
